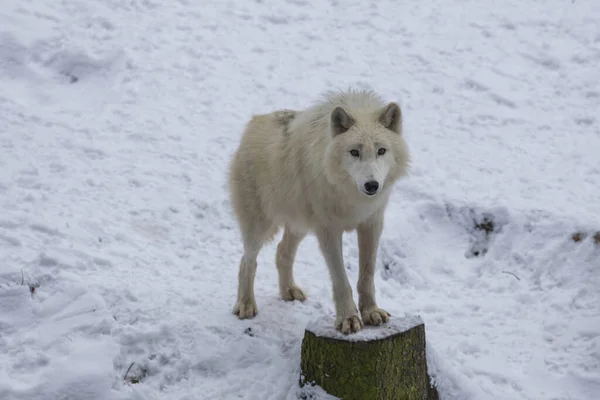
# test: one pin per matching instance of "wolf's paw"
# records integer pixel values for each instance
(245, 309)
(348, 325)
(375, 316)
(292, 293)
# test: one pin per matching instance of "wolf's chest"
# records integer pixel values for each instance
(348, 214)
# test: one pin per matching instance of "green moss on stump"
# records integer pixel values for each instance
(384, 362)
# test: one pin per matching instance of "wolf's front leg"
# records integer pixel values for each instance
(368, 241)
(347, 319)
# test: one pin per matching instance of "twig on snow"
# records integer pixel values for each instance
(508, 272)
(128, 369)
(22, 277)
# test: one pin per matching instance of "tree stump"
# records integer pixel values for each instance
(379, 362)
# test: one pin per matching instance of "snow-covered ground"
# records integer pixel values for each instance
(118, 250)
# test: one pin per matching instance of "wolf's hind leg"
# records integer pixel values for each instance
(254, 234)
(286, 254)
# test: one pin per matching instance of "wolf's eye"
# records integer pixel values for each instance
(354, 153)
(381, 151)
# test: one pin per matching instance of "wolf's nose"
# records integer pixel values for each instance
(371, 187)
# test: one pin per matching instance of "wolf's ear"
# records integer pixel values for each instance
(340, 121)
(391, 117)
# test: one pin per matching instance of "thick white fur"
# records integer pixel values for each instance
(294, 169)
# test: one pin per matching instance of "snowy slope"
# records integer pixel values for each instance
(118, 250)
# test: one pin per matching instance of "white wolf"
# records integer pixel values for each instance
(324, 170)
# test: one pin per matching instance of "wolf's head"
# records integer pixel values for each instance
(367, 148)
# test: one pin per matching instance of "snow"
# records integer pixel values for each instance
(119, 252)
(324, 326)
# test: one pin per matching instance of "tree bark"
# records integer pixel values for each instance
(380, 362)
